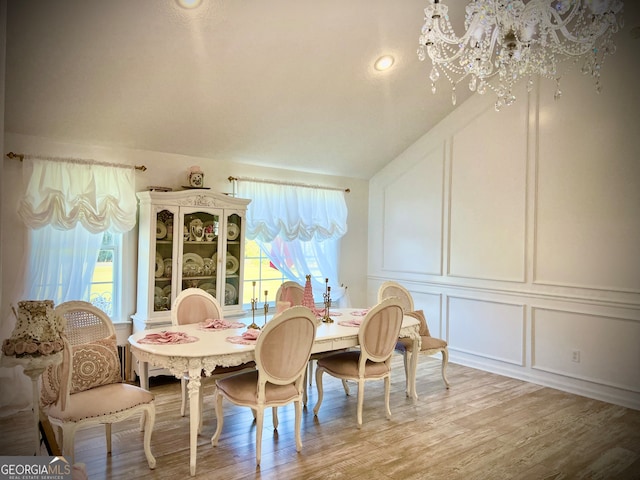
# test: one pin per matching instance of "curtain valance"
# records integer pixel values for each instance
(293, 212)
(63, 193)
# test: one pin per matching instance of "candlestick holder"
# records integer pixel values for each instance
(265, 307)
(254, 302)
(327, 303)
(266, 310)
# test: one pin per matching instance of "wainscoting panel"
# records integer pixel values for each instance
(487, 213)
(596, 348)
(412, 227)
(488, 329)
(587, 229)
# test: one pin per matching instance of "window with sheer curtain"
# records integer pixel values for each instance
(75, 213)
(299, 229)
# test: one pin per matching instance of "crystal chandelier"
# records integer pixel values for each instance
(507, 40)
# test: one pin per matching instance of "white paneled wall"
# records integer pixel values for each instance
(518, 232)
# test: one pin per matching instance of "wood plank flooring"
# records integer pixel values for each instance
(485, 427)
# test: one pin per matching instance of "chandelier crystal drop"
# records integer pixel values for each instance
(507, 40)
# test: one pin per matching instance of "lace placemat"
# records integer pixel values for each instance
(359, 313)
(168, 338)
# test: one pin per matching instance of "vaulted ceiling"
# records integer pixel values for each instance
(281, 83)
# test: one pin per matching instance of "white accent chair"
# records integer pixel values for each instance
(282, 353)
(377, 337)
(430, 345)
(88, 383)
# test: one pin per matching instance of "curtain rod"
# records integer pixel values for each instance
(292, 184)
(21, 157)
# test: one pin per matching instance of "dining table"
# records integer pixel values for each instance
(195, 349)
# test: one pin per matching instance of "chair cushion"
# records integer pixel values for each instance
(428, 343)
(243, 389)
(94, 364)
(99, 401)
(424, 328)
(345, 364)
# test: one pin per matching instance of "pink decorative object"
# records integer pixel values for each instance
(167, 338)
(307, 297)
(355, 322)
(219, 324)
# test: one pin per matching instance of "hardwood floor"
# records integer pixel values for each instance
(485, 427)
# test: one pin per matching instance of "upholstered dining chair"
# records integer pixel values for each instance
(282, 353)
(377, 337)
(291, 292)
(86, 389)
(430, 345)
(394, 289)
(194, 305)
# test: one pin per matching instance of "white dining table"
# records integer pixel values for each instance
(212, 349)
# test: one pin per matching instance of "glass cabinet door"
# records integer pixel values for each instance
(200, 232)
(233, 262)
(164, 262)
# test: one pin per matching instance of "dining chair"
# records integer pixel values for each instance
(377, 337)
(293, 293)
(282, 352)
(86, 389)
(194, 305)
(430, 345)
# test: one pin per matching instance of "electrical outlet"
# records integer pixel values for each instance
(575, 357)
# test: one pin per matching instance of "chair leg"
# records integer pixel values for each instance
(304, 385)
(259, 421)
(183, 388)
(297, 425)
(360, 401)
(445, 362)
(274, 414)
(405, 358)
(319, 372)
(107, 432)
(150, 415)
(219, 419)
(310, 373)
(68, 436)
(345, 385)
(387, 395)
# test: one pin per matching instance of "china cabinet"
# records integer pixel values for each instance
(189, 238)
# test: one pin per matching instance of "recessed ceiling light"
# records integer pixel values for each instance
(383, 63)
(189, 3)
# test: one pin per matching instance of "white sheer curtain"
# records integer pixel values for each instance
(65, 192)
(67, 206)
(299, 229)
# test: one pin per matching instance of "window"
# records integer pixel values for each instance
(297, 229)
(75, 212)
(75, 265)
(105, 283)
(258, 268)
